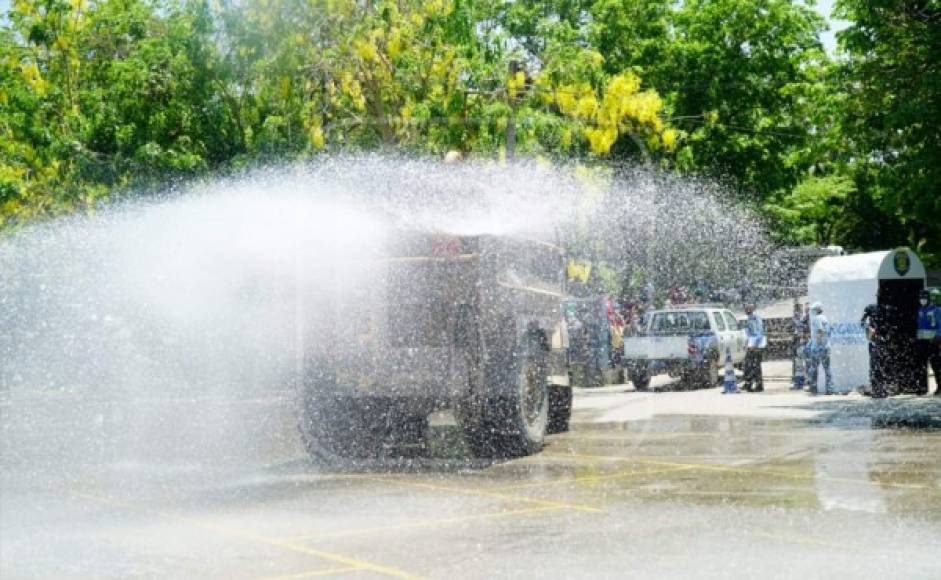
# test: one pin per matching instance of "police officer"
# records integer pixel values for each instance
(818, 349)
(928, 343)
(880, 322)
(801, 334)
(754, 332)
(936, 299)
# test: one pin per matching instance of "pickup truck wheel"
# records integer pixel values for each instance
(560, 409)
(689, 379)
(514, 417)
(640, 379)
(710, 371)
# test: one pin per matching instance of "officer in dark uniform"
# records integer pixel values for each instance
(881, 324)
(751, 367)
(799, 345)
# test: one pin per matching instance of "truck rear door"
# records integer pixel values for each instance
(656, 347)
(667, 335)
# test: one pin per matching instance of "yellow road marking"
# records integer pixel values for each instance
(422, 524)
(812, 541)
(482, 493)
(593, 478)
(257, 538)
(330, 572)
(750, 470)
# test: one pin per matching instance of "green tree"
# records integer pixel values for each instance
(101, 96)
(733, 73)
(812, 211)
(893, 111)
(738, 77)
(104, 96)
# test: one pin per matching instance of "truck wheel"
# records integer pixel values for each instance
(710, 372)
(689, 379)
(560, 409)
(513, 417)
(640, 378)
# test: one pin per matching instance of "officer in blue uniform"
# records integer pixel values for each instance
(818, 350)
(928, 341)
(751, 366)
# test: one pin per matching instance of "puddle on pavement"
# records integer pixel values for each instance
(821, 464)
(709, 460)
(691, 460)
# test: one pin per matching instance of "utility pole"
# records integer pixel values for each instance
(510, 138)
(513, 68)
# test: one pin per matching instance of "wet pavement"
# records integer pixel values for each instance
(651, 485)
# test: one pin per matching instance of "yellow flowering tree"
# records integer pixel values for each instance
(613, 109)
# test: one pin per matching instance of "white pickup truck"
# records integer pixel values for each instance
(688, 342)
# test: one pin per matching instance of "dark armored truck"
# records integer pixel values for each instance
(470, 323)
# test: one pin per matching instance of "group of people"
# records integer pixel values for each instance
(596, 329)
(811, 349)
(891, 349)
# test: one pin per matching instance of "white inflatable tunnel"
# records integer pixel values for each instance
(845, 285)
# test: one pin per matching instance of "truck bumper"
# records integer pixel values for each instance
(660, 366)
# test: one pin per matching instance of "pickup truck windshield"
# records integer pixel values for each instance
(680, 322)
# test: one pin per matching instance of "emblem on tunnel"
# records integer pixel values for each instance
(901, 262)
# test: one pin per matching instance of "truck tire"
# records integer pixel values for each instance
(513, 417)
(560, 409)
(640, 377)
(689, 379)
(710, 371)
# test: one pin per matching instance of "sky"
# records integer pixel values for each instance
(824, 7)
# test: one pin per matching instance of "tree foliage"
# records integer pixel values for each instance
(811, 212)
(104, 95)
(892, 80)
(99, 97)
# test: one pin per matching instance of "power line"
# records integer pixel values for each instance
(741, 129)
(690, 118)
(480, 120)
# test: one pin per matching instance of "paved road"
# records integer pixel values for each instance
(662, 485)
